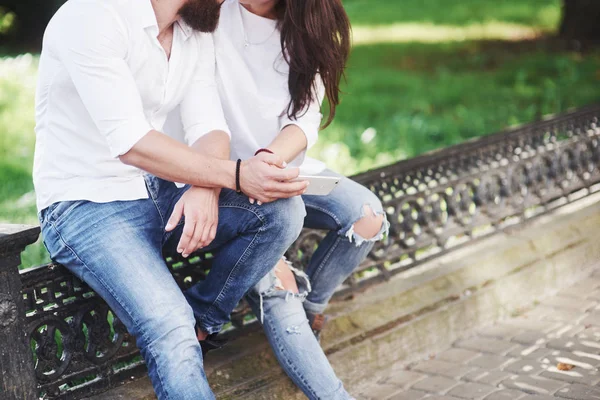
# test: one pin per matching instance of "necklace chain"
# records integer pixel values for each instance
(247, 42)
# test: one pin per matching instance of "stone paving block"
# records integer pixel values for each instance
(403, 379)
(457, 356)
(534, 352)
(435, 384)
(444, 368)
(574, 344)
(567, 330)
(577, 305)
(437, 397)
(576, 375)
(592, 318)
(471, 390)
(533, 384)
(499, 331)
(530, 337)
(409, 395)
(537, 397)
(591, 332)
(578, 392)
(493, 377)
(380, 391)
(490, 361)
(525, 367)
(505, 394)
(486, 345)
(532, 324)
(586, 361)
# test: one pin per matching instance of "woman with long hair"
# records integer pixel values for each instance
(277, 60)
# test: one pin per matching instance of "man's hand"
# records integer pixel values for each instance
(264, 178)
(200, 206)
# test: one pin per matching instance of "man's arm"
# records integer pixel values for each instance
(92, 45)
(169, 159)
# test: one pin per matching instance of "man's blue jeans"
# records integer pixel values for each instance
(117, 249)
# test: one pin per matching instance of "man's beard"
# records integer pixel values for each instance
(201, 15)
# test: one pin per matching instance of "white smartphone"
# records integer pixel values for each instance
(319, 185)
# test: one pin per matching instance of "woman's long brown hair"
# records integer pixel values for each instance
(315, 36)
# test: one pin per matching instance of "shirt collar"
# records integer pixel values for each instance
(148, 20)
(185, 29)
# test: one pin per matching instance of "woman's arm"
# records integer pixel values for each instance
(290, 142)
(299, 134)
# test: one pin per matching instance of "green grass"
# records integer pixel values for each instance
(540, 13)
(420, 97)
(401, 99)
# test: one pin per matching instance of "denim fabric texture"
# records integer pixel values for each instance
(284, 313)
(117, 249)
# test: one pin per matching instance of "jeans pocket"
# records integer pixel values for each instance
(58, 212)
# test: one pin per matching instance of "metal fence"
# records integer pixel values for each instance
(435, 203)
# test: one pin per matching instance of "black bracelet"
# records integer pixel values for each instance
(238, 164)
(263, 150)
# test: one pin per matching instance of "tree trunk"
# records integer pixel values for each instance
(30, 24)
(581, 20)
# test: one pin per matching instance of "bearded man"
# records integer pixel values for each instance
(110, 72)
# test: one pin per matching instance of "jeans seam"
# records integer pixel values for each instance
(233, 272)
(151, 195)
(289, 361)
(112, 293)
(158, 373)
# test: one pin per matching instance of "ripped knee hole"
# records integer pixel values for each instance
(370, 225)
(285, 278)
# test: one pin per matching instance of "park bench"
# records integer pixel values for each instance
(58, 339)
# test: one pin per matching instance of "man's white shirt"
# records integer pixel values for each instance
(104, 83)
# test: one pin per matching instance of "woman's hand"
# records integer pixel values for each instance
(265, 179)
(200, 208)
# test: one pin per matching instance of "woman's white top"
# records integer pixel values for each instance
(252, 79)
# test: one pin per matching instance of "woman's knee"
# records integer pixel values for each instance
(369, 222)
(370, 225)
(281, 287)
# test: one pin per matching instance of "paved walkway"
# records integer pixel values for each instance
(551, 351)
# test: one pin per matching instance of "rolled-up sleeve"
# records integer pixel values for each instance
(92, 45)
(201, 110)
(310, 121)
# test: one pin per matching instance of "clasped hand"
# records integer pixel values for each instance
(263, 177)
